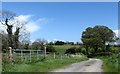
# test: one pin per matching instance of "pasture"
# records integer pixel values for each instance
(38, 63)
(62, 48)
(45, 65)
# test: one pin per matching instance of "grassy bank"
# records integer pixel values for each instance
(44, 66)
(110, 63)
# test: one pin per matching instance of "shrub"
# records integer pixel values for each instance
(50, 48)
(103, 53)
(114, 49)
(100, 49)
(78, 49)
(83, 50)
(71, 50)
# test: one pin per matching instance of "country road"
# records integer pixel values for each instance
(91, 65)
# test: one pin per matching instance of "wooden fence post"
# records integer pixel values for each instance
(54, 55)
(30, 55)
(21, 55)
(45, 52)
(37, 55)
(10, 54)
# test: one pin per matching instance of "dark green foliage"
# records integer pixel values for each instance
(51, 43)
(36, 46)
(103, 54)
(26, 46)
(59, 43)
(96, 37)
(83, 50)
(50, 48)
(108, 48)
(71, 50)
(74, 50)
(111, 63)
(79, 49)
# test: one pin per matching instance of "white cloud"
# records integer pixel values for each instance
(2, 28)
(117, 32)
(31, 26)
(48, 41)
(23, 18)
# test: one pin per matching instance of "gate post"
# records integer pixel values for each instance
(30, 55)
(44, 50)
(10, 54)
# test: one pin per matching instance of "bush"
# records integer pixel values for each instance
(103, 54)
(114, 49)
(100, 49)
(83, 50)
(71, 50)
(50, 48)
(78, 49)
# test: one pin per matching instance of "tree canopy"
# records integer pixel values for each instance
(97, 37)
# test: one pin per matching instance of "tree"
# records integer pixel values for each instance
(71, 50)
(24, 39)
(8, 16)
(51, 43)
(8, 20)
(4, 41)
(39, 43)
(59, 43)
(106, 34)
(96, 37)
(50, 48)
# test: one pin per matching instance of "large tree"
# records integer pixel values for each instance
(106, 34)
(97, 37)
(9, 21)
(39, 43)
(6, 18)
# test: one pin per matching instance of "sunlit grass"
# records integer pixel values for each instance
(43, 66)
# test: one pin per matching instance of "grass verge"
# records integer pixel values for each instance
(110, 63)
(44, 66)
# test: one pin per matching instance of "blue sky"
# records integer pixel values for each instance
(65, 20)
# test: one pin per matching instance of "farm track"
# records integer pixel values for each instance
(91, 65)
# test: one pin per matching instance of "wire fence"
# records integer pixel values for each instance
(28, 56)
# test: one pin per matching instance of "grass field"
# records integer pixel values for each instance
(110, 63)
(44, 66)
(62, 48)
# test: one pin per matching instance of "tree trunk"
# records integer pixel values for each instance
(86, 50)
(16, 38)
(9, 30)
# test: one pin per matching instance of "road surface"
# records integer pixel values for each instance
(91, 65)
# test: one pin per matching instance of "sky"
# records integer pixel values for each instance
(63, 20)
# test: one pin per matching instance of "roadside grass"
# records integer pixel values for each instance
(44, 66)
(0, 68)
(110, 63)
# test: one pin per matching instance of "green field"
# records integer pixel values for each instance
(62, 48)
(43, 66)
(110, 63)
